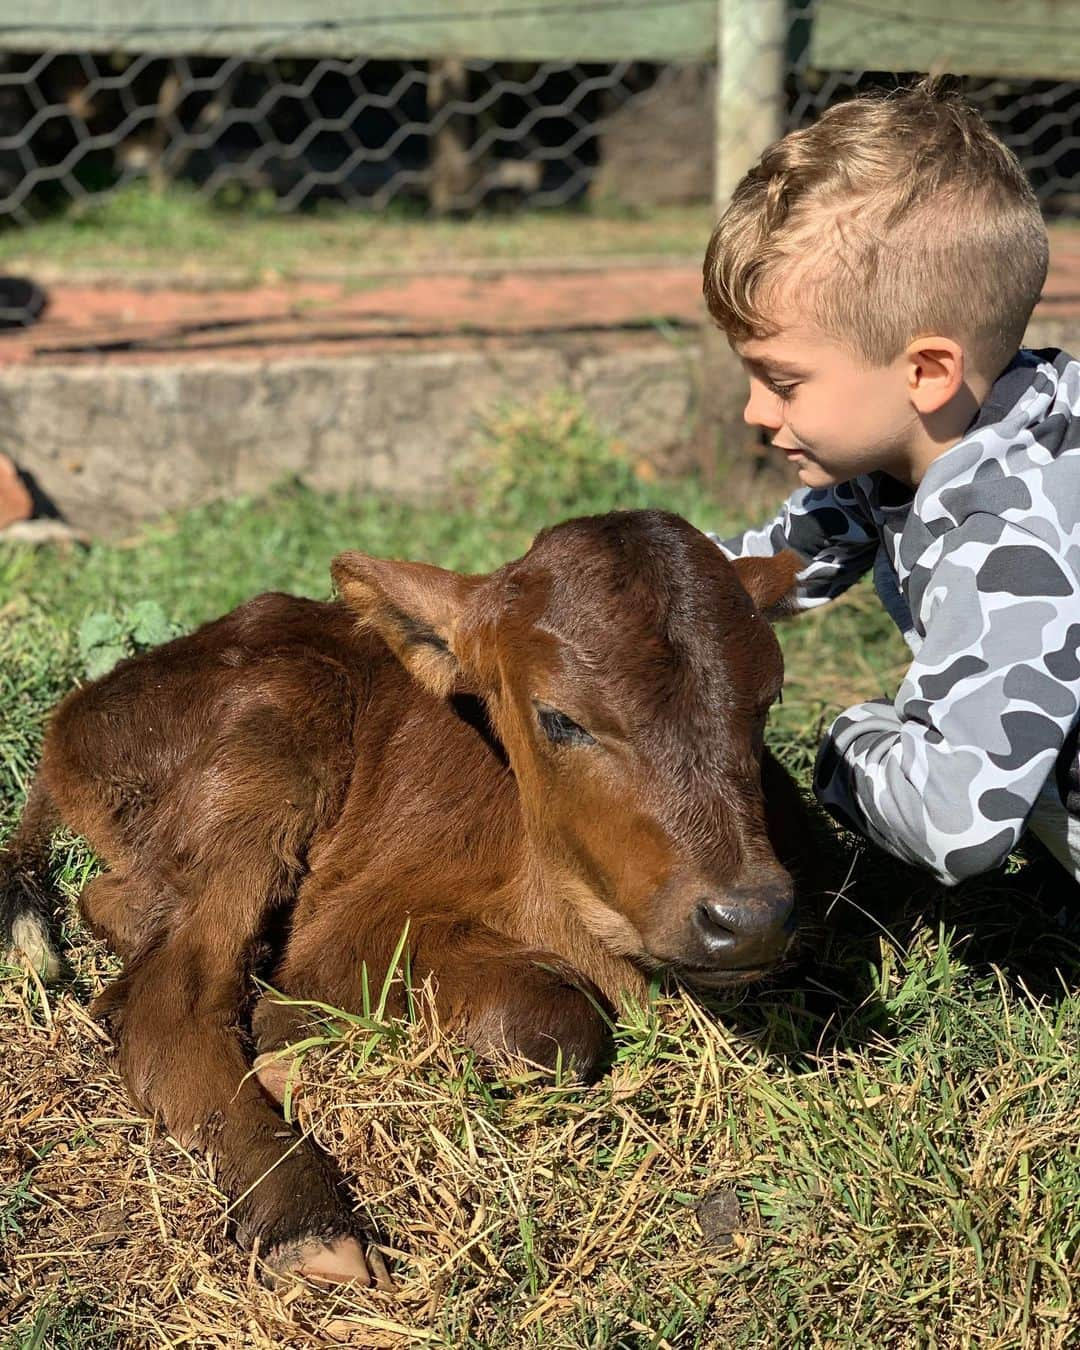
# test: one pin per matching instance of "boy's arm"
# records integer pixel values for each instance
(827, 527)
(946, 776)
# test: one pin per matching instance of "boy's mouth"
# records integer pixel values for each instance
(796, 453)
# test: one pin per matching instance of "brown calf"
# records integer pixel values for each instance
(554, 773)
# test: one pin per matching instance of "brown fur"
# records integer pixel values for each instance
(332, 770)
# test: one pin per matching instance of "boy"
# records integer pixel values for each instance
(875, 274)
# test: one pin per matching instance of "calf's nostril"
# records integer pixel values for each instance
(713, 921)
(715, 924)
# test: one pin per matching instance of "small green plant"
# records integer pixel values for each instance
(541, 462)
(14, 1199)
(65, 1320)
(105, 639)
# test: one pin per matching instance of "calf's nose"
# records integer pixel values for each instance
(745, 927)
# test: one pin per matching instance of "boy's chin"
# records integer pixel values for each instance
(813, 475)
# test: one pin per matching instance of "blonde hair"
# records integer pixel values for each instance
(903, 216)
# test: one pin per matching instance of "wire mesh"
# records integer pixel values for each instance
(455, 134)
(1039, 119)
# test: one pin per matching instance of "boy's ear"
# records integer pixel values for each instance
(415, 609)
(935, 372)
(770, 582)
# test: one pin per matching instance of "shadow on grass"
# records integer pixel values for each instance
(863, 919)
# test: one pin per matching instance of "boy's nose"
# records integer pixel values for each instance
(763, 410)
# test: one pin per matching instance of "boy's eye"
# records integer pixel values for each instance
(784, 392)
(562, 730)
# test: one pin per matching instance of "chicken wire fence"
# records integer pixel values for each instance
(449, 134)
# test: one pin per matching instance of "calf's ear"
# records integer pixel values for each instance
(770, 582)
(415, 609)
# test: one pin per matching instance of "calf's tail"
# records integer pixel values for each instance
(25, 903)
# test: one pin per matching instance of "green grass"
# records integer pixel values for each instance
(898, 1118)
(137, 234)
(134, 232)
(68, 1320)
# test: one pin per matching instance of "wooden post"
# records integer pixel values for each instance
(452, 172)
(751, 36)
(751, 39)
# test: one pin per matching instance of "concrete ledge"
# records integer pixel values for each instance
(118, 443)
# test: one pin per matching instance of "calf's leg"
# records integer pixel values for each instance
(117, 910)
(229, 850)
(25, 901)
(495, 994)
(174, 1015)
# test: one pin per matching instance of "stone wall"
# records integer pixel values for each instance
(115, 444)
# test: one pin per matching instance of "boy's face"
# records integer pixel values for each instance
(832, 415)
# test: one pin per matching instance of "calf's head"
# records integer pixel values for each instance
(627, 669)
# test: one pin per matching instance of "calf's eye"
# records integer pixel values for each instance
(562, 730)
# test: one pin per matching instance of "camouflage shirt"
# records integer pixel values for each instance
(980, 568)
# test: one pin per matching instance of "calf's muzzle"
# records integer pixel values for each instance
(745, 928)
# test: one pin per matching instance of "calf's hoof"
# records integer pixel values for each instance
(334, 1261)
(272, 1070)
(31, 942)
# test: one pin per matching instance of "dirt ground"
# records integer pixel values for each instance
(91, 323)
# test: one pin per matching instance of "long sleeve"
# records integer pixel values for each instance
(829, 527)
(947, 775)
